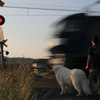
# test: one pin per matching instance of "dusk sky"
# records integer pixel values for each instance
(29, 28)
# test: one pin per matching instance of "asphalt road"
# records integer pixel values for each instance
(49, 89)
(54, 94)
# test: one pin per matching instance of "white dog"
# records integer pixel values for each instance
(72, 78)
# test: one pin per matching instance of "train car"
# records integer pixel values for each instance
(74, 33)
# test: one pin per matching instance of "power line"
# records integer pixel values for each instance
(37, 8)
(30, 15)
(49, 5)
(52, 9)
(42, 5)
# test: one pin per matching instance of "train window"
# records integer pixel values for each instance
(73, 25)
(69, 25)
(60, 27)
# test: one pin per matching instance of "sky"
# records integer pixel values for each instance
(28, 30)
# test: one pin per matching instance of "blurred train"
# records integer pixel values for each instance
(74, 33)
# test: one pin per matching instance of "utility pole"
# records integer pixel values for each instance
(2, 56)
(2, 41)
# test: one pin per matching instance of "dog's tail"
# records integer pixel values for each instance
(85, 86)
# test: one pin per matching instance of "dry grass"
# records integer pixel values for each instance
(45, 74)
(17, 83)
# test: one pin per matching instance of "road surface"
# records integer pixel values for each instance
(49, 89)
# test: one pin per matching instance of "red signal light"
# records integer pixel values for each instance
(2, 20)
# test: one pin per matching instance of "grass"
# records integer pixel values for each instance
(44, 75)
(17, 83)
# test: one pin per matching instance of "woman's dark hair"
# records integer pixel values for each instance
(95, 39)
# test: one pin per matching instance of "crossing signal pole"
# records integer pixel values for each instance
(2, 42)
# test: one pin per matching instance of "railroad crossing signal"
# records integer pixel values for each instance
(1, 3)
(2, 42)
(2, 20)
(2, 37)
